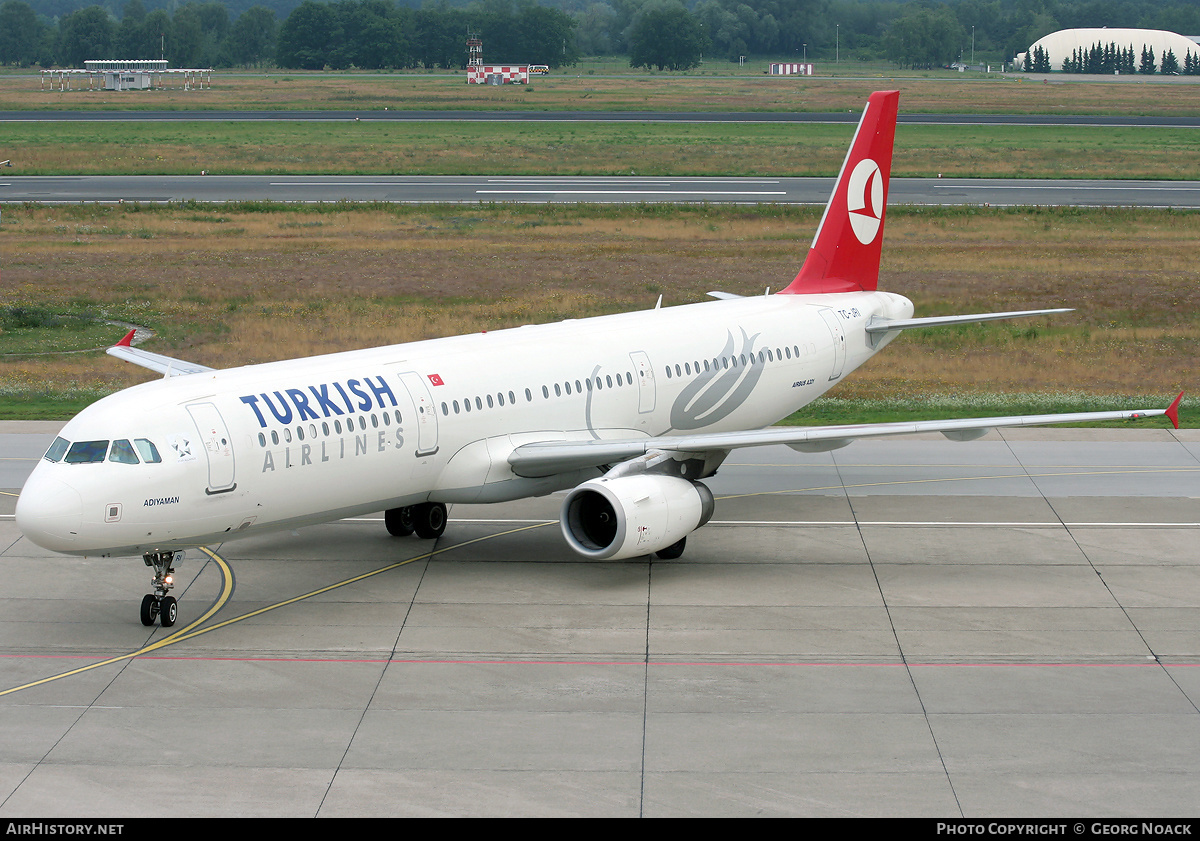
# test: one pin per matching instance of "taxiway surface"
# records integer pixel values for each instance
(914, 627)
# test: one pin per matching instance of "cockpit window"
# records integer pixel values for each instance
(148, 451)
(86, 452)
(122, 451)
(57, 449)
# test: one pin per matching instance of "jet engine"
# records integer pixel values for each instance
(628, 516)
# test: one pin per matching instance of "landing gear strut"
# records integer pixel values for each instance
(428, 520)
(158, 605)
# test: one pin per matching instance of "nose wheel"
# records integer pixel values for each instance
(158, 605)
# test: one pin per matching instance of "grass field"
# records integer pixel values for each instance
(516, 148)
(228, 285)
(525, 148)
(250, 283)
(610, 87)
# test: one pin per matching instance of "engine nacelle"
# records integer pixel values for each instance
(628, 516)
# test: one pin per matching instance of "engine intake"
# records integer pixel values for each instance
(628, 516)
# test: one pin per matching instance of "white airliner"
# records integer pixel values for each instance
(629, 411)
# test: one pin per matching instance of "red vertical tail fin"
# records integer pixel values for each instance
(844, 256)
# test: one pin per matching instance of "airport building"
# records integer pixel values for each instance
(127, 75)
(1062, 45)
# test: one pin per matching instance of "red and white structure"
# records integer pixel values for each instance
(795, 69)
(498, 74)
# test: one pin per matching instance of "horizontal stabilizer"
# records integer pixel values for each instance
(886, 325)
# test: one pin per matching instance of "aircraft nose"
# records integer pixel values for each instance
(49, 512)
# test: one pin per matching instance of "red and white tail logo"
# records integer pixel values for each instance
(844, 256)
(864, 200)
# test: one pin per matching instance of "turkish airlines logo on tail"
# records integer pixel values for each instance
(864, 200)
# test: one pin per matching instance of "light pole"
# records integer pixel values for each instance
(837, 43)
(972, 46)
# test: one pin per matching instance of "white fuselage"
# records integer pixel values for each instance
(283, 444)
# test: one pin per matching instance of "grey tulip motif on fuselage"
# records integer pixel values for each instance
(720, 390)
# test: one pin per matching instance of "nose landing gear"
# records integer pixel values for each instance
(158, 605)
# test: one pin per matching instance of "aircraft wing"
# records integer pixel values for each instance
(551, 457)
(165, 365)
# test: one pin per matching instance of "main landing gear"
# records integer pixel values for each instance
(158, 605)
(675, 550)
(427, 520)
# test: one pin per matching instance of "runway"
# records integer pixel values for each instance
(596, 189)
(1007, 627)
(850, 117)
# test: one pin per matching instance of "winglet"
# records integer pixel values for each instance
(844, 256)
(1173, 410)
(165, 365)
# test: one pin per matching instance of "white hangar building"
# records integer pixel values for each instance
(1060, 45)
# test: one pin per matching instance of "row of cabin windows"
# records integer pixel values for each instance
(567, 387)
(599, 383)
(725, 362)
(510, 398)
(327, 428)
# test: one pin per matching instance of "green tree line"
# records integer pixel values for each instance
(663, 34)
(367, 34)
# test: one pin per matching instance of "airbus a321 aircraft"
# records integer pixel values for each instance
(629, 411)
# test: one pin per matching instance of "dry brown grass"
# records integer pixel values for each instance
(717, 87)
(227, 286)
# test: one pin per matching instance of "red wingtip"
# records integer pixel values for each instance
(1173, 410)
(128, 340)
